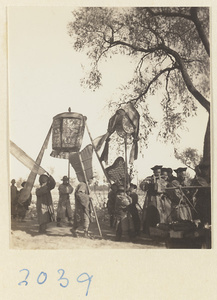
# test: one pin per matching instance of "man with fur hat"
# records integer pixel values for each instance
(64, 206)
(44, 204)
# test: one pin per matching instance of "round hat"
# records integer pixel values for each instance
(178, 170)
(156, 167)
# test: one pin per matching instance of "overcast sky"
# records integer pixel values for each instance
(44, 75)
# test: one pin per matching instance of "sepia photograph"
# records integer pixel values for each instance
(109, 127)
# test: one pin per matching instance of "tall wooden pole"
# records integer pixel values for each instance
(68, 169)
(126, 173)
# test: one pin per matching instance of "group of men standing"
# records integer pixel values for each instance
(44, 204)
(171, 198)
(18, 210)
(166, 199)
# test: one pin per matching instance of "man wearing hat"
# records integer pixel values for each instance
(132, 208)
(22, 208)
(170, 175)
(111, 203)
(157, 206)
(14, 194)
(82, 215)
(64, 206)
(44, 201)
(124, 223)
(203, 195)
(179, 198)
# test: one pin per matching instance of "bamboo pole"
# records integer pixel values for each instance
(126, 173)
(68, 169)
(85, 178)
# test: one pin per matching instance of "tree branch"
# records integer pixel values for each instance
(200, 29)
(168, 14)
(135, 100)
(200, 98)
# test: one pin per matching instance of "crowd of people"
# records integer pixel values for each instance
(168, 198)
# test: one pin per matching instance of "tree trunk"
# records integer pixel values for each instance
(206, 146)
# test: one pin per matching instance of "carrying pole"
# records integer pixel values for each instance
(97, 155)
(126, 173)
(68, 169)
(85, 178)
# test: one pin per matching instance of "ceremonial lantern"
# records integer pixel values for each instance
(67, 133)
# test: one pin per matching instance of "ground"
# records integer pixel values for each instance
(24, 235)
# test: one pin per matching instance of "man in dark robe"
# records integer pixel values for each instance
(44, 204)
(132, 208)
(64, 206)
(111, 203)
(14, 195)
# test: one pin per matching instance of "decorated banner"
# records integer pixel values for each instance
(25, 192)
(116, 172)
(126, 123)
(67, 134)
(82, 162)
(25, 159)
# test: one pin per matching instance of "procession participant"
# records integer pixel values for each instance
(22, 208)
(203, 196)
(164, 174)
(133, 209)
(44, 201)
(171, 177)
(64, 206)
(157, 206)
(179, 197)
(123, 218)
(14, 195)
(111, 203)
(82, 208)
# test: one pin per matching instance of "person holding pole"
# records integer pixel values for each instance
(82, 208)
(44, 202)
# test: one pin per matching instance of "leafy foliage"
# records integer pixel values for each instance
(169, 47)
(189, 157)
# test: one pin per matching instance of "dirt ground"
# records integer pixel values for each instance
(24, 235)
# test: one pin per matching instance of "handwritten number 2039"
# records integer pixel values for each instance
(64, 282)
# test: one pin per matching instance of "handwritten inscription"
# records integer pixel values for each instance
(61, 278)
